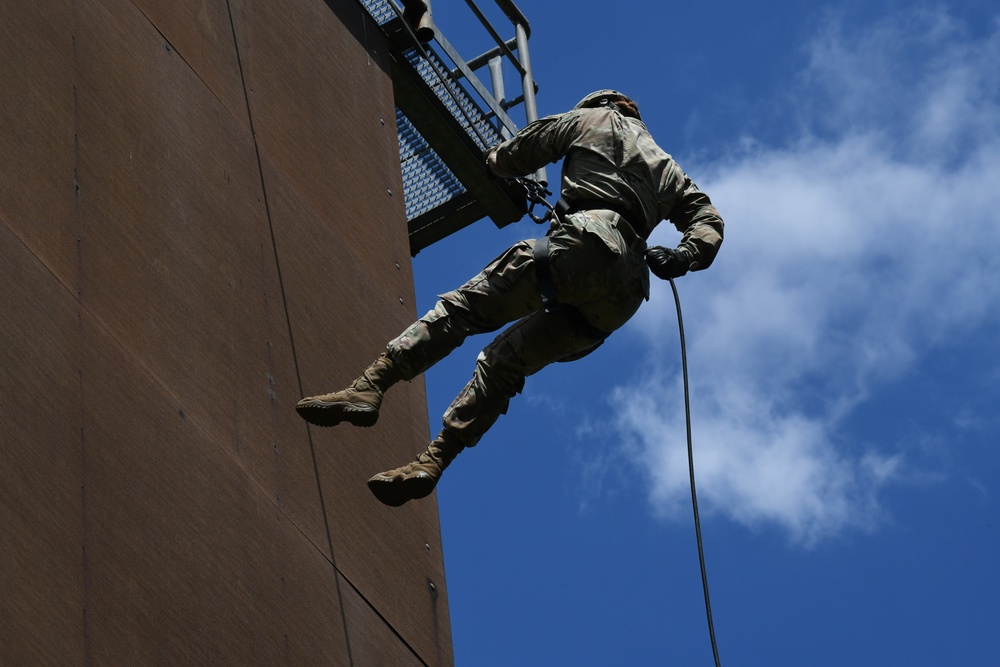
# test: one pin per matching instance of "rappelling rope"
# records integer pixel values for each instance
(536, 193)
(694, 494)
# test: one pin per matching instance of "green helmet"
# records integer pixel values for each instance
(603, 98)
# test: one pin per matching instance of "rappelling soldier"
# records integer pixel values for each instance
(565, 293)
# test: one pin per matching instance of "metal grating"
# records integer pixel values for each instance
(446, 116)
(455, 98)
(427, 180)
(379, 10)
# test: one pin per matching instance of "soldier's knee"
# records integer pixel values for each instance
(498, 375)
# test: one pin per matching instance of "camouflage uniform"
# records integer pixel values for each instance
(596, 260)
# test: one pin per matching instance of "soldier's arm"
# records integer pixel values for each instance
(539, 143)
(700, 223)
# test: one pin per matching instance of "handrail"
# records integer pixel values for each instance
(514, 50)
(454, 90)
(521, 61)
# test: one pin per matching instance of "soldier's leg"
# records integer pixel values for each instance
(600, 289)
(522, 350)
(504, 291)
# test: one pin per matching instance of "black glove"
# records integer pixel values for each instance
(667, 263)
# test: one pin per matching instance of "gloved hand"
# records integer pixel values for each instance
(667, 263)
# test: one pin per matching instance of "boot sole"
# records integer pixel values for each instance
(321, 413)
(394, 491)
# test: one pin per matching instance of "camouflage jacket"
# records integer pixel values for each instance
(613, 158)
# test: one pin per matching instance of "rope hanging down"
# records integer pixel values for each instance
(536, 193)
(694, 494)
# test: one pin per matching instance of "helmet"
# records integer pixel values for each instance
(607, 97)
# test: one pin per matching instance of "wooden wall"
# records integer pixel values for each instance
(201, 220)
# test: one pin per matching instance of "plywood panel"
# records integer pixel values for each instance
(176, 257)
(188, 559)
(341, 321)
(323, 111)
(201, 33)
(372, 641)
(176, 283)
(36, 129)
(332, 176)
(41, 464)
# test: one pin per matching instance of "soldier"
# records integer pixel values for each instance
(565, 292)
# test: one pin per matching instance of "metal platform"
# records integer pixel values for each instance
(446, 118)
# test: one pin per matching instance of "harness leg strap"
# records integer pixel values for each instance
(543, 273)
(551, 304)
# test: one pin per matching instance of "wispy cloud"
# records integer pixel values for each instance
(867, 238)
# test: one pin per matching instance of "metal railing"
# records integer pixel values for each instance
(480, 108)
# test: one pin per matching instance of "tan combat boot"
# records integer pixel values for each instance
(417, 479)
(358, 404)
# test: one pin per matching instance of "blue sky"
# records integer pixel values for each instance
(843, 354)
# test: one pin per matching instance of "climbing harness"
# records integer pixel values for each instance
(537, 194)
(543, 273)
(694, 494)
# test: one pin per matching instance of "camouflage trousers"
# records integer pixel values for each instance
(599, 278)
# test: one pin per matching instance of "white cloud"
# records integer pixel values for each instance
(849, 253)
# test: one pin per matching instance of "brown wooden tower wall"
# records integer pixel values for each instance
(201, 220)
